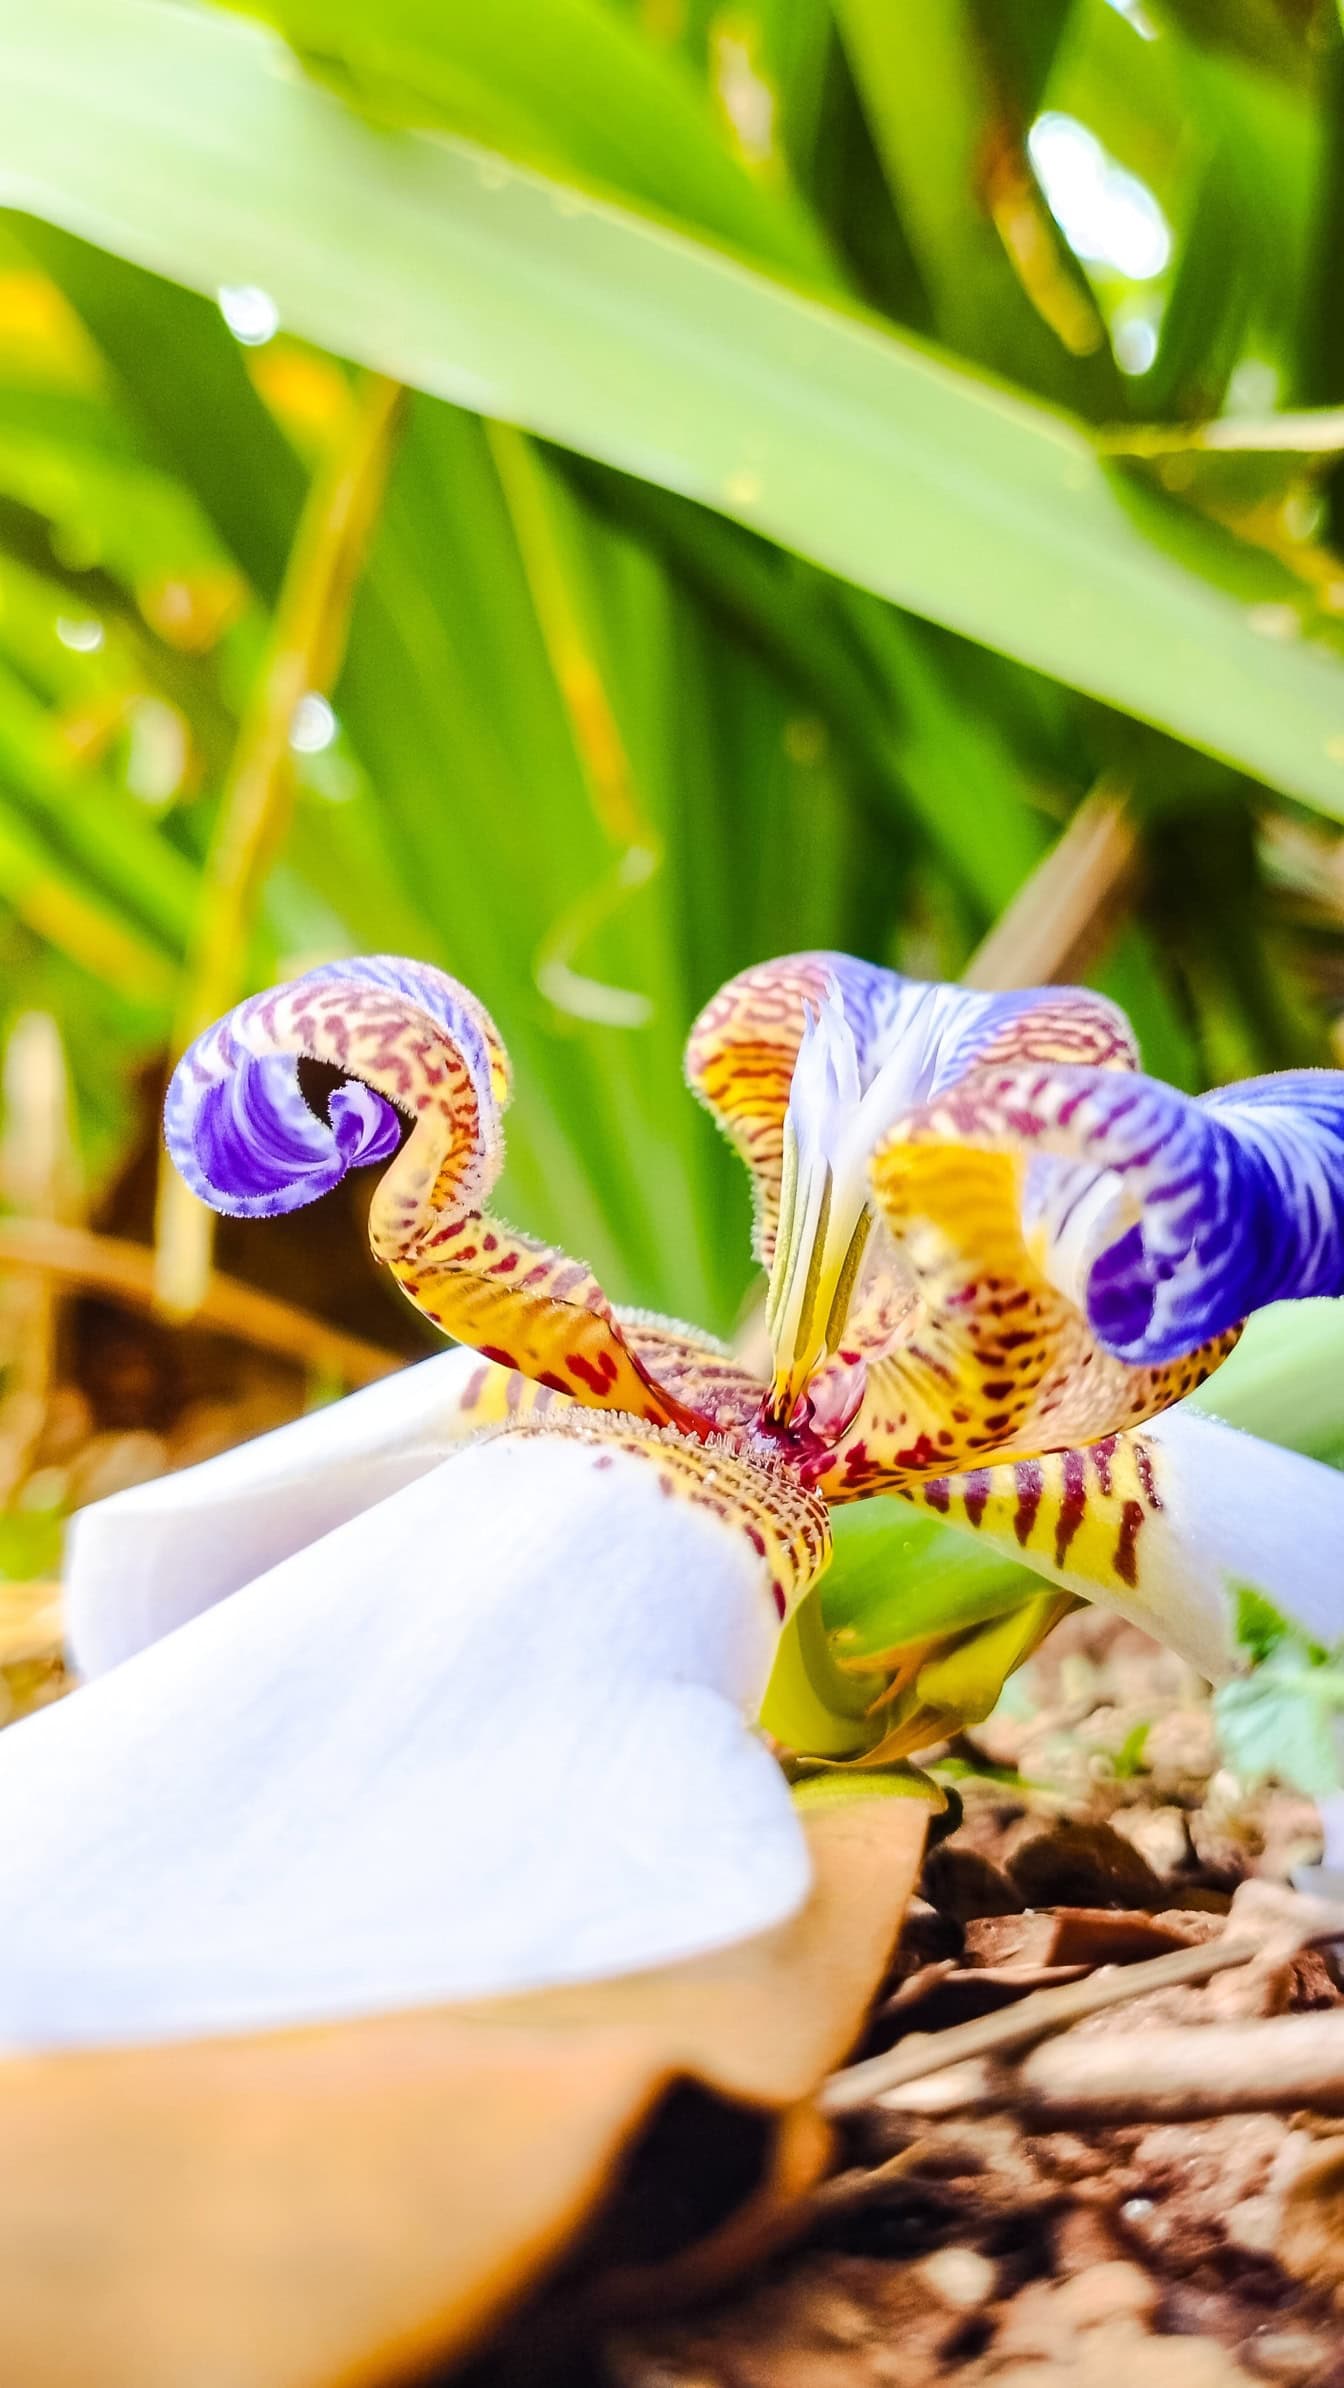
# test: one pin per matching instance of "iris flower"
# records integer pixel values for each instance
(449, 1689)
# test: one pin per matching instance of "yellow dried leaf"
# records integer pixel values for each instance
(334, 2205)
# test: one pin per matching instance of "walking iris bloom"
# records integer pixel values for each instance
(388, 1708)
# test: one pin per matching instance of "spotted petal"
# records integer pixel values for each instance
(1085, 1247)
(411, 1043)
(1168, 1525)
(996, 1361)
(486, 1735)
(807, 1063)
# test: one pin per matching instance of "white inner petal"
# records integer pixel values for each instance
(837, 1112)
(841, 1113)
(484, 1737)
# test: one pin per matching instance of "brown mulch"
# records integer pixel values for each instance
(1158, 2255)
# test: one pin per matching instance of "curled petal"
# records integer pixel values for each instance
(995, 1360)
(1168, 1219)
(487, 1735)
(1242, 1204)
(1085, 1245)
(414, 1045)
(413, 1041)
(254, 1136)
(1168, 1526)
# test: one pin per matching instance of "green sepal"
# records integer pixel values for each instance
(811, 1706)
(899, 1578)
(970, 1676)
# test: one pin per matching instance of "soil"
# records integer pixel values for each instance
(1098, 1827)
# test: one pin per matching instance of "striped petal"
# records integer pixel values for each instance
(1168, 1526)
(411, 1043)
(1184, 1217)
(486, 1736)
(1168, 1219)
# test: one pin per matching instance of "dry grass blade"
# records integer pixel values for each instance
(1285, 1924)
(39, 1174)
(1067, 911)
(603, 758)
(1315, 431)
(1187, 2073)
(303, 654)
(125, 1273)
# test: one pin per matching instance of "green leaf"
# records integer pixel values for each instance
(1129, 1758)
(1285, 1380)
(841, 1790)
(943, 93)
(30, 1544)
(966, 1678)
(810, 1705)
(1285, 1721)
(102, 828)
(899, 1578)
(569, 86)
(1261, 1629)
(1286, 1718)
(182, 141)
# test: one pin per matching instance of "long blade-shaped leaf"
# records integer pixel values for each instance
(186, 142)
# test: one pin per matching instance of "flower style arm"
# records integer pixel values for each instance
(411, 1042)
(744, 1049)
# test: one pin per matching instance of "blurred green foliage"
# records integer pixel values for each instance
(776, 552)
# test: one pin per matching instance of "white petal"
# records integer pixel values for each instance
(144, 1561)
(488, 1735)
(1236, 1512)
(1229, 1511)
